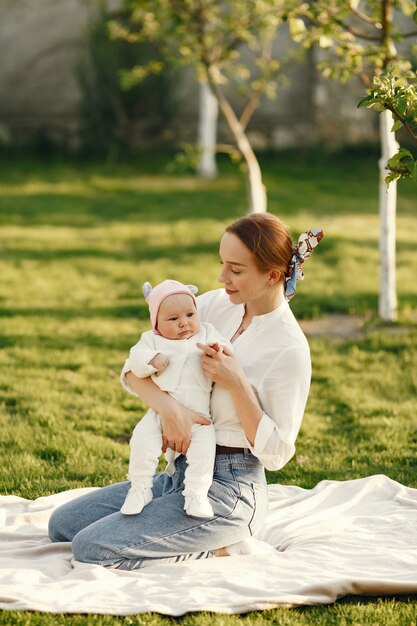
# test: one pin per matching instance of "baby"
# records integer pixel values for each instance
(170, 355)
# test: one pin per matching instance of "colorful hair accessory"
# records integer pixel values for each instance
(306, 244)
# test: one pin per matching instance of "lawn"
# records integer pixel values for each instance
(78, 241)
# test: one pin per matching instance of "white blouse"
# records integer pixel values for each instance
(275, 357)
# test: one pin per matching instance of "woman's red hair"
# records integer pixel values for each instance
(267, 238)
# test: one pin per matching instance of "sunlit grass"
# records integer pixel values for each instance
(95, 185)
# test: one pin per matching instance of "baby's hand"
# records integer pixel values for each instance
(215, 346)
(160, 362)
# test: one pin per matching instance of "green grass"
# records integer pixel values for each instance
(78, 241)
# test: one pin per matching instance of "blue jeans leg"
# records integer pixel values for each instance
(70, 518)
(162, 532)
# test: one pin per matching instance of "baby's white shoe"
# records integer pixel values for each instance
(198, 506)
(137, 497)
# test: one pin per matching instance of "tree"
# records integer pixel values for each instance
(362, 39)
(210, 36)
(207, 131)
(398, 94)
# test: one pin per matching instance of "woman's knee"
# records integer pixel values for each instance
(56, 526)
(87, 548)
(84, 549)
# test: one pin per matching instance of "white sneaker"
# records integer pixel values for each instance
(250, 546)
(198, 506)
(137, 497)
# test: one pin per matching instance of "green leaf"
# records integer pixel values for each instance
(400, 166)
(397, 125)
(394, 160)
(368, 101)
(415, 16)
(391, 178)
(297, 29)
(401, 105)
(403, 152)
(411, 166)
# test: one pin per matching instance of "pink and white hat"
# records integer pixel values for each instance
(155, 295)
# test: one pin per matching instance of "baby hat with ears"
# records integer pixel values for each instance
(155, 295)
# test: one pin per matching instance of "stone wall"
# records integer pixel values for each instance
(40, 46)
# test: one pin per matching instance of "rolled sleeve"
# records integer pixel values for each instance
(123, 380)
(283, 394)
(138, 362)
(267, 439)
(139, 359)
(141, 370)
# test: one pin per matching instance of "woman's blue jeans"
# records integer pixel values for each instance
(162, 532)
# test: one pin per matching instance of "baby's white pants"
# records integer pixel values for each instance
(146, 448)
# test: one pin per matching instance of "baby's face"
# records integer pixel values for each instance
(178, 317)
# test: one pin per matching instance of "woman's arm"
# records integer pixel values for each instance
(271, 424)
(176, 419)
(247, 408)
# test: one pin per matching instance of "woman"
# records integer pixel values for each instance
(258, 401)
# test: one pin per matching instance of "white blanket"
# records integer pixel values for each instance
(340, 538)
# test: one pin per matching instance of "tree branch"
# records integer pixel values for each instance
(255, 96)
(249, 109)
(365, 18)
(226, 148)
(365, 79)
(356, 33)
(344, 26)
(403, 121)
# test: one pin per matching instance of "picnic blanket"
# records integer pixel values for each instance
(337, 539)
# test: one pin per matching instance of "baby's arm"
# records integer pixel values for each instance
(144, 357)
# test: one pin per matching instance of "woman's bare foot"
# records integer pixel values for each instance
(221, 552)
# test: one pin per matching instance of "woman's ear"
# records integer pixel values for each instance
(274, 277)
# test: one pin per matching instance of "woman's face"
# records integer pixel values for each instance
(242, 279)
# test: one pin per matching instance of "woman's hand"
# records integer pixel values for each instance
(221, 366)
(177, 422)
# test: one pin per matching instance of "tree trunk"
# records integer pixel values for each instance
(207, 131)
(387, 213)
(257, 191)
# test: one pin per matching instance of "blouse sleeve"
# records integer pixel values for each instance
(283, 393)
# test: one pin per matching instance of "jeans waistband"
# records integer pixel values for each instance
(230, 450)
(243, 460)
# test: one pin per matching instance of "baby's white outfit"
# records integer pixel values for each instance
(185, 380)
